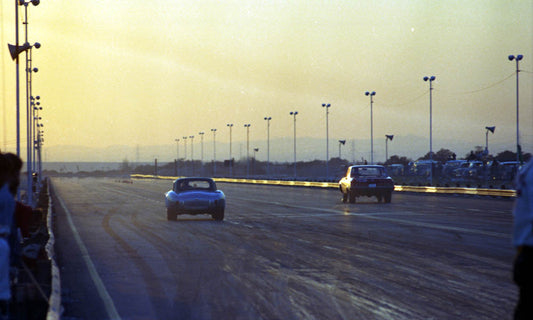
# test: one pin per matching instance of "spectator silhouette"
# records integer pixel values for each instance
(523, 241)
(7, 209)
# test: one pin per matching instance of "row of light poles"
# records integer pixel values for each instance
(491, 129)
(292, 113)
(268, 119)
(371, 95)
(33, 127)
(214, 130)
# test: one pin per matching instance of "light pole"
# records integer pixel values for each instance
(247, 126)
(268, 144)
(15, 50)
(192, 153)
(177, 154)
(35, 120)
(35, 107)
(230, 125)
(15, 56)
(29, 117)
(293, 114)
(40, 141)
(327, 106)
(177, 149)
(430, 79)
(341, 143)
(185, 157)
(185, 147)
(491, 129)
(202, 151)
(518, 148)
(214, 152)
(256, 150)
(387, 138)
(371, 94)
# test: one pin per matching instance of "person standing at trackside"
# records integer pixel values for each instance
(7, 209)
(523, 241)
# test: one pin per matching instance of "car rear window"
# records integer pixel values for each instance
(367, 171)
(194, 185)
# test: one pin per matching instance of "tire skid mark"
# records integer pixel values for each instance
(153, 287)
(296, 276)
(425, 283)
(176, 306)
(197, 300)
(185, 304)
(224, 249)
(163, 247)
(373, 275)
(102, 291)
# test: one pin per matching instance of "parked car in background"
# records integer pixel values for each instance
(508, 169)
(459, 172)
(423, 167)
(366, 180)
(195, 196)
(396, 169)
(476, 170)
(450, 166)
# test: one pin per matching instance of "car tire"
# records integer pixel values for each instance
(380, 198)
(171, 215)
(352, 197)
(388, 197)
(218, 215)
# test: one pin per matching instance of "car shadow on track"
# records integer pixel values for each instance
(194, 219)
(367, 202)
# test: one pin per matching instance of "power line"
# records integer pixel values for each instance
(487, 87)
(413, 100)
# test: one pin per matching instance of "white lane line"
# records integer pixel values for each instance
(99, 284)
(382, 217)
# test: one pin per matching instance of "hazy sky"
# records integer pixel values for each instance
(146, 72)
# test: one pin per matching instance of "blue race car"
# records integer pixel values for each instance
(195, 196)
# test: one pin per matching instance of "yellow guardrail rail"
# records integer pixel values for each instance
(458, 190)
(334, 185)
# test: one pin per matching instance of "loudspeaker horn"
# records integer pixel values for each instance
(15, 51)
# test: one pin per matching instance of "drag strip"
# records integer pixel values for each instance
(288, 253)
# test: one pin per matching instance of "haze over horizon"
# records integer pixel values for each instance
(143, 74)
(308, 149)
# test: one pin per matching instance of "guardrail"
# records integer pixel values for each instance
(54, 301)
(438, 190)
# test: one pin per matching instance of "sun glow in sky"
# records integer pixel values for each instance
(142, 73)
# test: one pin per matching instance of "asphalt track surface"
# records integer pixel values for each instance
(281, 253)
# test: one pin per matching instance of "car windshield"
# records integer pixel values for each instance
(191, 185)
(367, 171)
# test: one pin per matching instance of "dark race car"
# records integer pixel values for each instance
(195, 196)
(366, 180)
